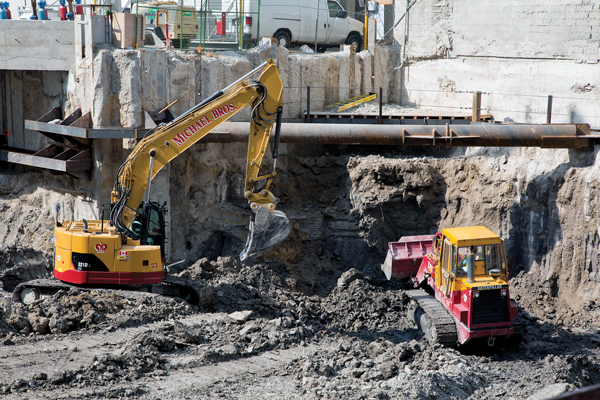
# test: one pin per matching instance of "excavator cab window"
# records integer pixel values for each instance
(149, 224)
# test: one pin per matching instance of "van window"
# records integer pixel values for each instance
(335, 10)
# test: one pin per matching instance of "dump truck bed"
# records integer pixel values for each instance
(404, 256)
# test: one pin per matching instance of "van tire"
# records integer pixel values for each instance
(355, 38)
(283, 38)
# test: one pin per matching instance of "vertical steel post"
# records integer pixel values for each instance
(476, 107)
(258, 27)
(137, 10)
(366, 26)
(549, 111)
(308, 104)
(317, 25)
(380, 105)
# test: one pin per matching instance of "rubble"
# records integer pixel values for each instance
(314, 318)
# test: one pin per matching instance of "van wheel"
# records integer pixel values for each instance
(283, 38)
(355, 39)
(321, 49)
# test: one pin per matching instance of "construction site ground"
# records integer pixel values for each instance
(315, 318)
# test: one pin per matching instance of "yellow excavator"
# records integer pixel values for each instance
(128, 249)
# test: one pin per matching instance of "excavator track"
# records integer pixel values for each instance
(436, 323)
(194, 292)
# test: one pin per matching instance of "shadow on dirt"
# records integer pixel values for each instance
(20, 264)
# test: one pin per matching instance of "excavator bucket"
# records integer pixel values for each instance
(267, 230)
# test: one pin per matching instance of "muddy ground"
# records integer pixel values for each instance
(263, 339)
(314, 318)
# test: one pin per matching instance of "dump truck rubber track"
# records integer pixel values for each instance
(436, 323)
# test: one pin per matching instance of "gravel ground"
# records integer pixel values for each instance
(356, 342)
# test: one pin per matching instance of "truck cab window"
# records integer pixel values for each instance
(487, 257)
(335, 10)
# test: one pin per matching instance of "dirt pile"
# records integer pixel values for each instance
(97, 309)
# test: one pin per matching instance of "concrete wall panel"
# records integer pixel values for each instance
(37, 45)
(515, 52)
(513, 90)
(537, 29)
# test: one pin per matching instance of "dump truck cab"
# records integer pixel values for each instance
(471, 279)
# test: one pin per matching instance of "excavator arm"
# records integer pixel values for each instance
(168, 141)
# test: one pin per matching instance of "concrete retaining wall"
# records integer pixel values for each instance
(37, 45)
(516, 52)
(28, 95)
(126, 82)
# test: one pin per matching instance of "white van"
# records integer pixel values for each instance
(295, 22)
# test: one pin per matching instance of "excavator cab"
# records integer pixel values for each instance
(149, 225)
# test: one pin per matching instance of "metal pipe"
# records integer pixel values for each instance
(317, 25)
(152, 154)
(471, 266)
(476, 135)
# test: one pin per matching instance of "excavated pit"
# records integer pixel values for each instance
(314, 317)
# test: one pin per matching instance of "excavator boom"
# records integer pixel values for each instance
(168, 141)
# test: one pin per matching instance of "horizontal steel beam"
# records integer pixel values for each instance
(317, 117)
(70, 165)
(85, 133)
(484, 135)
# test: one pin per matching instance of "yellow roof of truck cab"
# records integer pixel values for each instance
(471, 235)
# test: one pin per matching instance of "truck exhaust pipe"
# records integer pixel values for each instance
(471, 264)
(268, 229)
